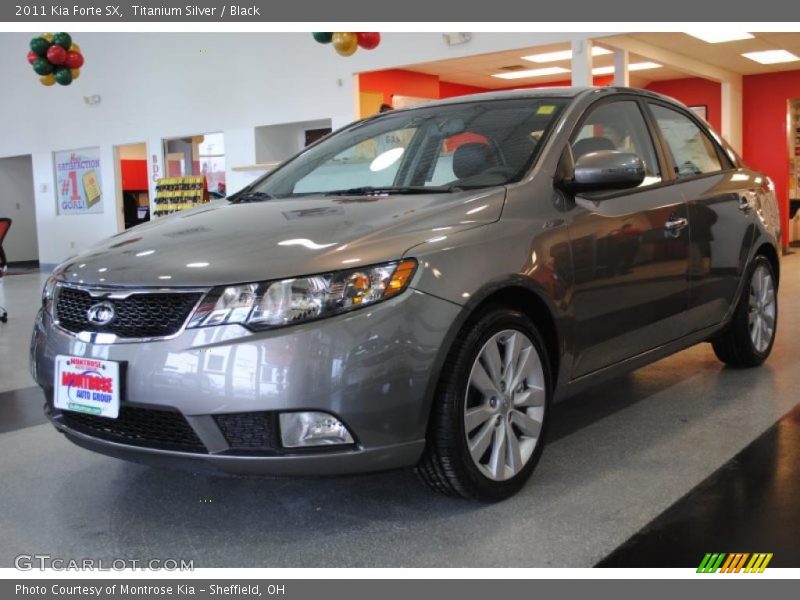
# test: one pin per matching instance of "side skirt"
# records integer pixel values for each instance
(635, 362)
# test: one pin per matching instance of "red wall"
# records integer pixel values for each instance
(411, 83)
(599, 81)
(134, 174)
(448, 89)
(692, 92)
(399, 81)
(765, 105)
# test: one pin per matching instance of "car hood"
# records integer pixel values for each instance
(225, 243)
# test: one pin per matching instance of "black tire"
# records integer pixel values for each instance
(734, 346)
(446, 464)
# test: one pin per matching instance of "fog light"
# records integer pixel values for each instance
(303, 429)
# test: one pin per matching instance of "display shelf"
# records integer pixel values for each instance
(174, 194)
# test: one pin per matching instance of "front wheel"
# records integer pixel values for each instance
(748, 339)
(488, 420)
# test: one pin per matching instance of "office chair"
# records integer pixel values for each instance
(5, 225)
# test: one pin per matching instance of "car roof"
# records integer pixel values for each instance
(544, 92)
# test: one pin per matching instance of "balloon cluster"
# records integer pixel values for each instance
(55, 58)
(346, 43)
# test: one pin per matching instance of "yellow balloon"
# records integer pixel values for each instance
(74, 48)
(48, 37)
(48, 80)
(75, 73)
(345, 43)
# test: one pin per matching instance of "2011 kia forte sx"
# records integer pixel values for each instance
(416, 289)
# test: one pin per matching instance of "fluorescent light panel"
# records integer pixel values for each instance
(543, 72)
(771, 57)
(547, 57)
(717, 37)
(642, 66)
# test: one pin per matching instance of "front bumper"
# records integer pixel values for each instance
(372, 368)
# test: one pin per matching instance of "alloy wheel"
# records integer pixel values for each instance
(761, 308)
(505, 403)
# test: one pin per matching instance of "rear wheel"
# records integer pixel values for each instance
(748, 339)
(488, 421)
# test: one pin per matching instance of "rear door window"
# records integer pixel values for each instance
(693, 152)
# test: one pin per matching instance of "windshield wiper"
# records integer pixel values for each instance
(375, 191)
(250, 197)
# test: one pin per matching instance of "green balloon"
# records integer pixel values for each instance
(323, 37)
(39, 45)
(62, 39)
(63, 76)
(42, 66)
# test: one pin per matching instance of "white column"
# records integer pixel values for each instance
(732, 112)
(240, 151)
(582, 63)
(621, 75)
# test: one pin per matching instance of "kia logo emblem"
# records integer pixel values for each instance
(101, 313)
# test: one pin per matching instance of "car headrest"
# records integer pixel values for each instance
(592, 144)
(472, 158)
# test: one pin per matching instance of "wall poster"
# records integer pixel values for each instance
(78, 189)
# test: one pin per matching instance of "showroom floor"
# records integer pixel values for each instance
(656, 468)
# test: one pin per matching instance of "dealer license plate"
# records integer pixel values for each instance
(87, 385)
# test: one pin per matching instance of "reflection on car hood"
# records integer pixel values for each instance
(234, 243)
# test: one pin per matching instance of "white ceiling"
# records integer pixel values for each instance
(728, 55)
(478, 70)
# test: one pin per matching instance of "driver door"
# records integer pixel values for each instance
(629, 248)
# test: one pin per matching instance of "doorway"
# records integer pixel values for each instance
(133, 193)
(17, 202)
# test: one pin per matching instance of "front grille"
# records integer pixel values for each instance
(255, 432)
(136, 426)
(140, 315)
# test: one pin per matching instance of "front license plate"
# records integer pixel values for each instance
(87, 385)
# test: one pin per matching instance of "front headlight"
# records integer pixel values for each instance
(47, 294)
(273, 304)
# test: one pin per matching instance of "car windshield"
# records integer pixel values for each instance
(430, 149)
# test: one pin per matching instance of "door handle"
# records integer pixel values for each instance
(674, 226)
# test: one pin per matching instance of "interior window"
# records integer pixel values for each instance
(618, 126)
(693, 152)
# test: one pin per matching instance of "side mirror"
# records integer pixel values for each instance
(606, 170)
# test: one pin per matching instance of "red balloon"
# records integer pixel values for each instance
(32, 56)
(74, 60)
(56, 55)
(369, 40)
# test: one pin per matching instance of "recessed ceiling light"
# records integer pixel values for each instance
(531, 73)
(547, 57)
(771, 57)
(716, 37)
(642, 66)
